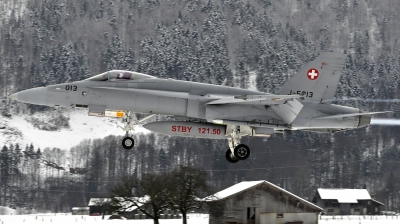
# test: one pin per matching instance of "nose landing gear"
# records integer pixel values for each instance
(128, 142)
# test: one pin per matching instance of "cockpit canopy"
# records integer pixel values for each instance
(119, 75)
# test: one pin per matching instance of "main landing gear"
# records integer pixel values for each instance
(236, 151)
(128, 142)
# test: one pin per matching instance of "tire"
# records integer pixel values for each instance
(128, 143)
(241, 152)
(229, 156)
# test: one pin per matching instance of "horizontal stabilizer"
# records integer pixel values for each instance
(351, 115)
(256, 100)
(289, 111)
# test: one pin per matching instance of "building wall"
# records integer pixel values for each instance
(80, 212)
(306, 218)
(331, 211)
(363, 207)
(241, 207)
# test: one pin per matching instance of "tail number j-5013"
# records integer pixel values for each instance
(304, 93)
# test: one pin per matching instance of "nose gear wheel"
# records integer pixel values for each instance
(128, 143)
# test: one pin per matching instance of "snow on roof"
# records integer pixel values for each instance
(98, 201)
(237, 188)
(245, 185)
(344, 195)
(80, 209)
(377, 202)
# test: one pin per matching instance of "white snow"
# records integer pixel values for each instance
(68, 218)
(192, 219)
(252, 81)
(6, 211)
(18, 130)
(355, 219)
(242, 186)
(344, 195)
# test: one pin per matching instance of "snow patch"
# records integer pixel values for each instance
(252, 81)
(19, 129)
(11, 7)
(7, 211)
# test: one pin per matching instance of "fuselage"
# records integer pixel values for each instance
(180, 98)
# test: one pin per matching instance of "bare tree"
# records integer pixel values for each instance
(186, 185)
(147, 195)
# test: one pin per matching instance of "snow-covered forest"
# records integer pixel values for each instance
(51, 41)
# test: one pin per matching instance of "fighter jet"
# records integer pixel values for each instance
(203, 110)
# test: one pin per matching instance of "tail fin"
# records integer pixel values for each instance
(317, 80)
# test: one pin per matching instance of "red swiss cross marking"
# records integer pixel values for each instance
(312, 74)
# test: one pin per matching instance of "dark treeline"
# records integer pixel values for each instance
(30, 180)
(50, 41)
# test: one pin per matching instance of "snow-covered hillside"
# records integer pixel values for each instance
(20, 129)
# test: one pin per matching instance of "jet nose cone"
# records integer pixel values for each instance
(36, 96)
(14, 96)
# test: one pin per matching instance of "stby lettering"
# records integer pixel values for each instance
(176, 128)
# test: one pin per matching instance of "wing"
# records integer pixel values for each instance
(255, 99)
(287, 107)
(350, 115)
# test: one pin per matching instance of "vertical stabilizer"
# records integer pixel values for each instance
(317, 80)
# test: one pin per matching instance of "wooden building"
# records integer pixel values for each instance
(347, 202)
(256, 202)
(100, 206)
(80, 211)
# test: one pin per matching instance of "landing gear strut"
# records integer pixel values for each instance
(127, 141)
(236, 151)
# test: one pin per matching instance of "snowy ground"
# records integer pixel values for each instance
(381, 219)
(17, 129)
(193, 219)
(84, 219)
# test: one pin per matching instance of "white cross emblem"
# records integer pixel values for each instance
(312, 74)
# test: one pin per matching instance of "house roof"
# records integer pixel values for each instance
(378, 202)
(344, 195)
(246, 185)
(98, 201)
(80, 209)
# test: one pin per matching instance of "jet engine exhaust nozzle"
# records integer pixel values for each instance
(364, 120)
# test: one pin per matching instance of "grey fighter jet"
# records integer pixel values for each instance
(211, 111)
